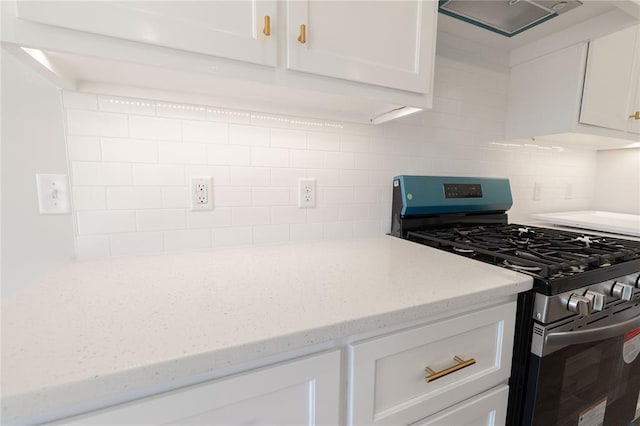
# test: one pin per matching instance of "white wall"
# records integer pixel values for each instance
(32, 142)
(131, 160)
(618, 181)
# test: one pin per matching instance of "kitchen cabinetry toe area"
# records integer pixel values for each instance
(318, 333)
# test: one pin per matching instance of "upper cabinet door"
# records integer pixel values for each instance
(610, 93)
(235, 29)
(386, 43)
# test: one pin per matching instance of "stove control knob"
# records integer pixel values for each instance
(579, 305)
(596, 300)
(622, 291)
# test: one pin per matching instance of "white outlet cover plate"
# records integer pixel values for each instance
(195, 194)
(307, 193)
(53, 194)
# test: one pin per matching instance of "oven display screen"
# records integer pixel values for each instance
(462, 190)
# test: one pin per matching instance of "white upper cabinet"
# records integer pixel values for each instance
(232, 29)
(580, 95)
(363, 61)
(386, 43)
(610, 98)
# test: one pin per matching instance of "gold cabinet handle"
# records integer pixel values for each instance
(460, 364)
(302, 38)
(267, 25)
(635, 116)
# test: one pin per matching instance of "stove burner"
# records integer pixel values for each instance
(518, 267)
(546, 254)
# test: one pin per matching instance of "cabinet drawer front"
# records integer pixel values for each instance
(388, 384)
(487, 409)
(299, 392)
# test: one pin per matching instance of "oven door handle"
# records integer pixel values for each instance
(565, 338)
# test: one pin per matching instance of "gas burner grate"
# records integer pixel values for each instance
(544, 253)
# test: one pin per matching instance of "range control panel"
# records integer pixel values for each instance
(462, 190)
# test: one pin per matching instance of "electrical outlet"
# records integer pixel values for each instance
(537, 191)
(201, 193)
(307, 193)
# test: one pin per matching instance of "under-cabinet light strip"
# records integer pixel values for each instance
(229, 112)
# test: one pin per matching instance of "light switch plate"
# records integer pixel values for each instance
(53, 194)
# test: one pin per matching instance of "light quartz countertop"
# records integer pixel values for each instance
(107, 329)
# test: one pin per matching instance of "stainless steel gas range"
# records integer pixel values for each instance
(576, 357)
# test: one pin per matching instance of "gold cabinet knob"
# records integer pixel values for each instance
(635, 116)
(302, 38)
(267, 26)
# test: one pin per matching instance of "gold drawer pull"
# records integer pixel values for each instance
(635, 116)
(267, 25)
(302, 38)
(461, 363)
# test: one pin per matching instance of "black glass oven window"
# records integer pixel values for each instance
(462, 190)
(579, 377)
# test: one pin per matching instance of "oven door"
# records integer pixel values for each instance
(587, 377)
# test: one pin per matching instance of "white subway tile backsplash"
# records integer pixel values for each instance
(243, 216)
(203, 131)
(353, 212)
(339, 160)
(176, 197)
(270, 157)
(77, 100)
(159, 220)
(229, 155)
(306, 159)
(337, 230)
(288, 138)
(271, 196)
(105, 222)
(306, 231)
(128, 150)
(182, 153)
(92, 123)
(188, 239)
(89, 198)
(287, 214)
(93, 247)
(359, 178)
(369, 161)
(232, 237)
(227, 196)
(91, 174)
(83, 148)
(219, 174)
(155, 128)
(338, 195)
(209, 218)
(250, 176)
(160, 175)
(323, 141)
(270, 234)
(248, 135)
(136, 243)
(323, 213)
(287, 177)
(129, 198)
(132, 160)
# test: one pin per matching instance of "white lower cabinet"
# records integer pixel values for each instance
(409, 375)
(299, 392)
(486, 409)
